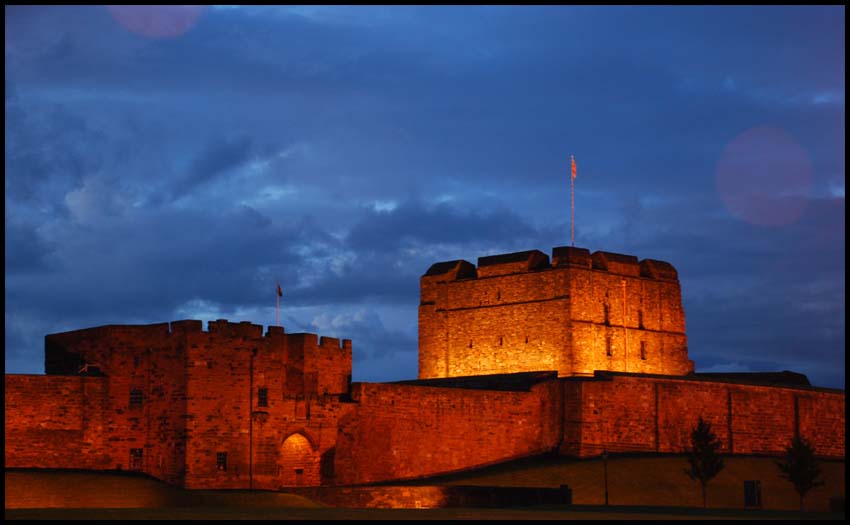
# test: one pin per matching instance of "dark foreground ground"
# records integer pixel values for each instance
(644, 487)
(578, 512)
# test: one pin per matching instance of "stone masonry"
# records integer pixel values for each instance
(581, 313)
(517, 356)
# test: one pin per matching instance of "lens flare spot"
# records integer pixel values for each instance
(764, 177)
(156, 21)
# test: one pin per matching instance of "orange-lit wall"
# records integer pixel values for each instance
(304, 377)
(55, 421)
(577, 314)
(149, 358)
(406, 431)
(513, 313)
(200, 392)
(655, 414)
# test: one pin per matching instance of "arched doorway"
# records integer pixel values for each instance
(299, 463)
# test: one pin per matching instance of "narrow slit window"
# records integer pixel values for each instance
(136, 458)
(136, 397)
(643, 350)
(263, 397)
(608, 351)
(221, 461)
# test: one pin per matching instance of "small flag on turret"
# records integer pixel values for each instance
(279, 291)
(574, 165)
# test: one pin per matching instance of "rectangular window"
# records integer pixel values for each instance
(643, 350)
(752, 493)
(136, 456)
(136, 397)
(262, 397)
(221, 460)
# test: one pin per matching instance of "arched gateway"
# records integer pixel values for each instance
(299, 462)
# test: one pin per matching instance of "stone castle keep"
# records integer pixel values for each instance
(581, 313)
(519, 355)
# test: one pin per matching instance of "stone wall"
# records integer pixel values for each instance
(517, 312)
(232, 407)
(626, 316)
(55, 421)
(289, 440)
(170, 398)
(621, 413)
(410, 431)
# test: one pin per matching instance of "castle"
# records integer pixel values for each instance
(519, 313)
(518, 356)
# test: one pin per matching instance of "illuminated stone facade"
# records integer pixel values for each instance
(224, 408)
(514, 361)
(580, 313)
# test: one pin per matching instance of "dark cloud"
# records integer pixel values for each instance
(344, 150)
(374, 339)
(44, 154)
(386, 251)
(25, 249)
(412, 223)
(219, 156)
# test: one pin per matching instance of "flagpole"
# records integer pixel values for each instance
(277, 305)
(572, 202)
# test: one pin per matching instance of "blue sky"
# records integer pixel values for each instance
(174, 162)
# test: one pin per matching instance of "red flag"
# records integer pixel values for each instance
(574, 166)
(279, 291)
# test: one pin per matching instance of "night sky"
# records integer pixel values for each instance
(173, 163)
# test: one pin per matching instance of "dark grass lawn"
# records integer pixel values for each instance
(640, 487)
(577, 512)
(655, 480)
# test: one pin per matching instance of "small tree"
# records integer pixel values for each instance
(800, 467)
(703, 456)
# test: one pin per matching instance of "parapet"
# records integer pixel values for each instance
(508, 263)
(329, 342)
(616, 263)
(275, 331)
(242, 329)
(143, 330)
(457, 269)
(186, 326)
(571, 256)
(308, 340)
(562, 257)
(660, 270)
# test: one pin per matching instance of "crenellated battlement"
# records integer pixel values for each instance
(562, 257)
(92, 350)
(222, 327)
(575, 312)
